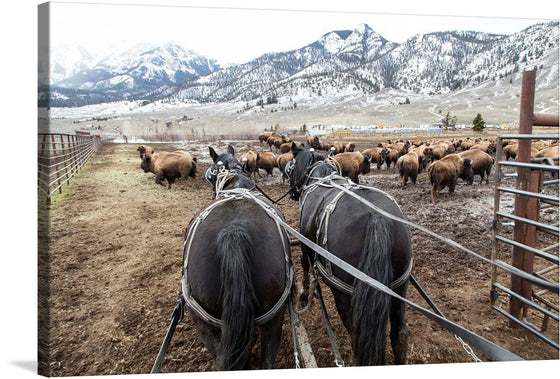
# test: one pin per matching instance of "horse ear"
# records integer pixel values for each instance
(294, 148)
(213, 154)
(230, 150)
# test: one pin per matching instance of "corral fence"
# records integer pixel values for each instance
(532, 237)
(60, 156)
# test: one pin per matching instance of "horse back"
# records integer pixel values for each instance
(268, 260)
(347, 226)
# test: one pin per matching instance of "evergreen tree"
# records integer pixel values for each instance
(478, 123)
(449, 121)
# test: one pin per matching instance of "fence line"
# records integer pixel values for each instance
(526, 215)
(60, 156)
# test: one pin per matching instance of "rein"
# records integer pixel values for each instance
(495, 351)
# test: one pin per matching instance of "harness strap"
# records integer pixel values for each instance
(230, 195)
(261, 320)
(338, 361)
(326, 270)
(342, 286)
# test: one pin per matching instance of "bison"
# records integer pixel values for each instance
(481, 163)
(487, 146)
(422, 161)
(512, 150)
(169, 166)
(249, 161)
(389, 155)
(285, 147)
(338, 148)
(276, 140)
(352, 164)
(266, 161)
(143, 149)
(401, 147)
(282, 161)
(409, 166)
(435, 152)
(446, 171)
(549, 153)
(374, 155)
(263, 137)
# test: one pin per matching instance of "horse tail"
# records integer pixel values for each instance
(238, 330)
(370, 307)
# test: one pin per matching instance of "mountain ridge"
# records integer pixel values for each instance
(359, 61)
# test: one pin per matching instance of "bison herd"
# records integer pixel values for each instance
(444, 161)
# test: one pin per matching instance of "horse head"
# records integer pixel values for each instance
(226, 172)
(298, 169)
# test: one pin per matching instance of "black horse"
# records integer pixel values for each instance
(237, 272)
(362, 237)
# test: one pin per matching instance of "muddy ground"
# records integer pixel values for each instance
(110, 279)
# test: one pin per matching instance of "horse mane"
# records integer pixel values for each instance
(304, 159)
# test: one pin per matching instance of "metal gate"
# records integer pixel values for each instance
(533, 237)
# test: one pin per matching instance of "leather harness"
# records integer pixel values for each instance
(227, 196)
(322, 231)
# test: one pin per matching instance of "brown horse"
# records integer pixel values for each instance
(365, 239)
(234, 279)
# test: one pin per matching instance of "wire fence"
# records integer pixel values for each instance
(60, 156)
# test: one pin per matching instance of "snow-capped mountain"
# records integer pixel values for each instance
(355, 62)
(64, 62)
(135, 71)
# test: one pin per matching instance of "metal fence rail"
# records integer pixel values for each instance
(60, 156)
(527, 251)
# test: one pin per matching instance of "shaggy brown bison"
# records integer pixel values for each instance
(374, 155)
(422, 161)
(512, 150)
(263, 137)
(169, 166)
(353, 164)
(435, 152)
(446, 171)
(143, 149)
(338, 148)
(389, 155)
(285, 147)
(481, 163)
(409, 166)
(250, 165)
(282, 161)
(549, 153)
(401, 147)
(487, 146)
(276, 140)
(266, 161)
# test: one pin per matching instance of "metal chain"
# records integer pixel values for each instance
(467, 348)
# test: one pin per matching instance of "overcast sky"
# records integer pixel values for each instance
(236, 35)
